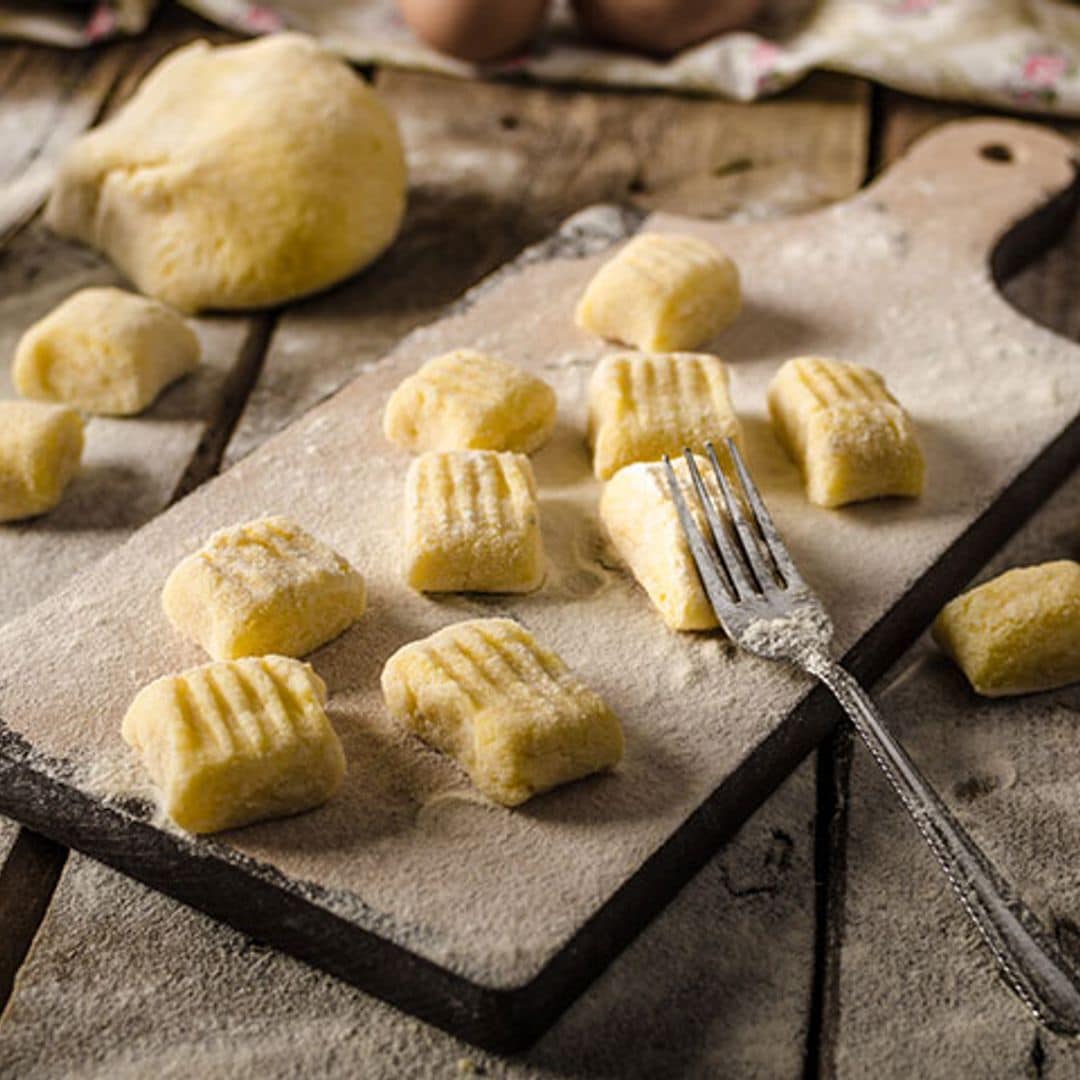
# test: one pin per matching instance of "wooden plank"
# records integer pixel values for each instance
(916, 237)
(918, 994)
(715, 987)
(495, 168)
(908, 971)
(132, 468)
(463, 204)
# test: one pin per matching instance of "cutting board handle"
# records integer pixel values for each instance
(1000, 189)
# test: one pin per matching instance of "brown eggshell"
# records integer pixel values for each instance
(662, 26)
(475, 30)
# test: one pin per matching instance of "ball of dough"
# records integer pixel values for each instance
(238, 176)
(104, 351)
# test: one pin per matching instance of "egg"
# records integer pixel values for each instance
(476, 30)
(661, 26)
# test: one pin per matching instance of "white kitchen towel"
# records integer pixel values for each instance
(1015, 54)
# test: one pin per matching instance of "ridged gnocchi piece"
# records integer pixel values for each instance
(846, 432)
(640, 518)
(642, 406)
(662, 293)
(468, 400)
(509, 711)
(105, 351)
(40, 450)
(234, 742)
(472, 523)
(1018, 633)
(266, 586)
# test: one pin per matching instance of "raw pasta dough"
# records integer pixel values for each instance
(472, 523)
(467, 400)
(640, 518)
(506, 709)
(105, 351)
(40, 450)
(662, 292)
(235, 742)
(1019, 632)
(846, 432)
(644, 406)
(263, 587)
(238, 176)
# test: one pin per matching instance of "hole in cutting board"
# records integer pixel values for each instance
(997, 152)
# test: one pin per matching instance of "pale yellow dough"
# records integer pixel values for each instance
(40, 450)
(642, 406)
(1018, 633)
(104, 351)
(238, 176)
(468, 400)
(662, 293)
(845, 431)
(506, 709)
(472, 523)
(236, 742)
(640, 518)
(263, 587)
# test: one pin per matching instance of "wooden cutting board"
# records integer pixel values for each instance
(488, 921)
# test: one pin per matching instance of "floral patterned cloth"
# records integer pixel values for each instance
(1017, 54)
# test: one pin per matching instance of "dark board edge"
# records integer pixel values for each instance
(256, 900)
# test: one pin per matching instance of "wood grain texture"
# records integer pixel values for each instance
(907, 970)
(494, 168)
(547, 916)
(133, 468)
(715, 987)
(771, 172)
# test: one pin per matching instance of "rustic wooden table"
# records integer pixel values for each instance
(822, 940)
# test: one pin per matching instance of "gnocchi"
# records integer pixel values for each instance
(1018, 633)
(266, 586)
(472, 523)
(105, 351)
(661, 293)
(846, 432)
(467, 400)
(642, 406)
(640, 518)
(238, 741)
(506, 709)
(40, 450)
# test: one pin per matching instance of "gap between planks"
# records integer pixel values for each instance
(1044, 291)
(88, 86)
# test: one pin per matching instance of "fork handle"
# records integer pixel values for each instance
(1033, 965)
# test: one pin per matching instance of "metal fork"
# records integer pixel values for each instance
(766, 607)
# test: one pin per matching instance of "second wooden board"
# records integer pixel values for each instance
(485, 920)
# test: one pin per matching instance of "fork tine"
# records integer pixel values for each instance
(712, 577)
(766, 578)
(773, 540)
(742, 582)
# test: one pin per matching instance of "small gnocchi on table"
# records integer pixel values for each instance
(472, 523)
(468, 400)
(662, 292)
(642, 406)
(235, 742)
(40, 450)
(506, 709)
(1018, 633)
(846, 432)
(105, 351)
(640, 519)
(266, 586)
